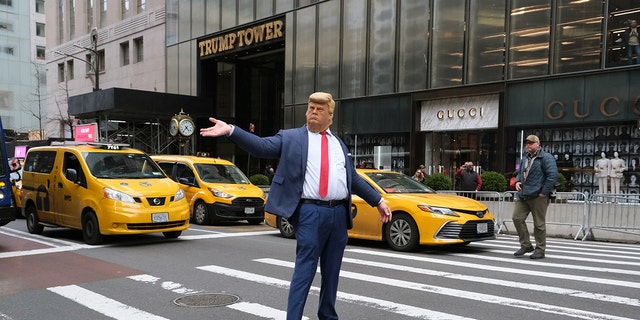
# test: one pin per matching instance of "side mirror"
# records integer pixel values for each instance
(72, 175)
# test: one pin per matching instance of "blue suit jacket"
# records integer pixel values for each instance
(291, 147)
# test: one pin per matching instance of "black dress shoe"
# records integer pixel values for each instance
(522, 251)
(537, 255)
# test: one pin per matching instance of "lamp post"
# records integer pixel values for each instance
(96, 86)
(95, 64)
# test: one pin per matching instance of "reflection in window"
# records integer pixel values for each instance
(382, 46)
(529, 38)
(486, 41)
(578, 36)
(448, 43)
(619, 18)
(413, 44)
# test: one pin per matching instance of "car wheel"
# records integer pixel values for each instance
(254, 222)
(200, 213)
(402, 233)
(33, 222)
(91, 229)
(172, 234)
(286, 228)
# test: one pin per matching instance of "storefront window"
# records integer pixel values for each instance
(413, 45)
(578, 37)
(381, 151)
(382, 45)
(529, 38)
(449, 150)
(578, 149)
(486, 41)
(620, 16)
(448, 43)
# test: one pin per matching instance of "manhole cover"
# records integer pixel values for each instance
(207, 300)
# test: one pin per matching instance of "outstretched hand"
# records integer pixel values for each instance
(219, 128)
(385, 212)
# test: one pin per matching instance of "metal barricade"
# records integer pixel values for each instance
(492, 199)
(568, 208)
(614, 212)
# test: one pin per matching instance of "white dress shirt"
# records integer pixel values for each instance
(337, 173)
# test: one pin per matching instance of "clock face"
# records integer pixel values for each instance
(186, 127)
(173, 127)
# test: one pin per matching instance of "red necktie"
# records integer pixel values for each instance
(324, 165)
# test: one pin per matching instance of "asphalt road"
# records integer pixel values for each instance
(238, 271)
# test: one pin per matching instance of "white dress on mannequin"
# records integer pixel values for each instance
(602, 168)
(616, 174)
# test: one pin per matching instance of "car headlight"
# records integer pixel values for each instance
(220, 194)
(117, 195)
(179, 194)
(437, 210)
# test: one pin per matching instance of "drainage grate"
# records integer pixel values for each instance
(207, 300)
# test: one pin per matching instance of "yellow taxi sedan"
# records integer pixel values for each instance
(420, 215)
(216, 189)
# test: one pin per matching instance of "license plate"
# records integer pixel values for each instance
(482, 227)
(160, 217)
(249, 210)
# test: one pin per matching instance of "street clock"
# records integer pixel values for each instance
(182, 126)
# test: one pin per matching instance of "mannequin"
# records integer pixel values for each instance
(602, 168)
(617, 167)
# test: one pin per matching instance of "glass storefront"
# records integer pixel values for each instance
(577, 149)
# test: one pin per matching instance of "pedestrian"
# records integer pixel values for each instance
(535, 182)
(419, 174)
(470, 180)
(632, 41)
(320, 214)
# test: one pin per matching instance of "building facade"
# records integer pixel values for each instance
(436, 82)
(22, 80)
(125, 38)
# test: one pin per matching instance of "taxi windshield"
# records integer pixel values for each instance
(112, 165)
(219, 173)
(392, 182)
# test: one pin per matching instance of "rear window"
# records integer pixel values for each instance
(40, 161)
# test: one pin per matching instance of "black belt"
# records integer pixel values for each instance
(325, 203)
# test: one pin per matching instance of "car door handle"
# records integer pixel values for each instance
(59, 185)
(67, 198)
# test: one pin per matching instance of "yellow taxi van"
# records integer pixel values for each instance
(101, 189)
(215, 188)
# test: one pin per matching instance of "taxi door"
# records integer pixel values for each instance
(366, 220)
(68, 192)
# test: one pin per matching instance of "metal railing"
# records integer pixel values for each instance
(614, 212)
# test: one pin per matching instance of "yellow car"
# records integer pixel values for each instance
(101, 189)
(420, 215)
(215, 188)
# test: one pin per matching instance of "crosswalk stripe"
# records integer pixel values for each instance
(599, 249)
(475, 296)
(246, 307)
(99, 303)
(500, 282)
(528, 272)
(389, 306)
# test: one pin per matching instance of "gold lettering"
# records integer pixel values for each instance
(576, 106)
(277, 29)
(553, 116)
(258, 33)
(450, 114)
(440, 114)
(473, 112)
(603, 106)
(461, 113)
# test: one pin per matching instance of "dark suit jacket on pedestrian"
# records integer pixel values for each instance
(291, 147)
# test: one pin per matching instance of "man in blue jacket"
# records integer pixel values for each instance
(535, 181)
(320, 212)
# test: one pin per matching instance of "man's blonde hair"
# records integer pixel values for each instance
(323, 98)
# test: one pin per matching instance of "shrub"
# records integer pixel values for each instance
(493, 181)
(259, 180)
(561, 183)
(438, 181)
